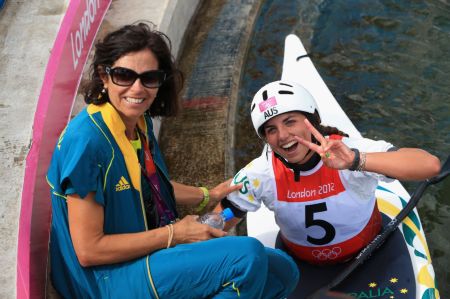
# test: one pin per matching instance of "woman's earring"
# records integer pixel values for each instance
(101, 94)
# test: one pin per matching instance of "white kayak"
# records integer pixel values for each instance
(401, 267)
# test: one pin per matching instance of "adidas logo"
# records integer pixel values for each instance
(122, 184)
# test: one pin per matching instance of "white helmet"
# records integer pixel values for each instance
(280, 97)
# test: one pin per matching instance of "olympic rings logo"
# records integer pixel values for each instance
(326, 254)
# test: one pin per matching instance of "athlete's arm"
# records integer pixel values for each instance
(404, 164)
(94, 247)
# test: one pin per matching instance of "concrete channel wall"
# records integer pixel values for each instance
(198, 144)
(27, 33)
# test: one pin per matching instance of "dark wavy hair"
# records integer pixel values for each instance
(314, 119)
(133, 38)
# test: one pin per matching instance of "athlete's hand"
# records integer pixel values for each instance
(189, 230)
(334, 153)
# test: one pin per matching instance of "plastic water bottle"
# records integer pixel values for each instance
(217, 220)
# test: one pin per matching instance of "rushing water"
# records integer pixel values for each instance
(387, 63)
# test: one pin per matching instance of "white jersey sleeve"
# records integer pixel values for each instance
(258, 185)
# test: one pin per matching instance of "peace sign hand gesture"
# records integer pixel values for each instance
(334, 153)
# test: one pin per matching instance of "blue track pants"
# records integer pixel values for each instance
(228, 267)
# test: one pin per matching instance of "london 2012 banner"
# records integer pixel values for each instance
(73, 42)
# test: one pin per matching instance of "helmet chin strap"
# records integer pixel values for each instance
(308, 165)
(296, 168)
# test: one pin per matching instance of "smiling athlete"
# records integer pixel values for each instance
(321, 189)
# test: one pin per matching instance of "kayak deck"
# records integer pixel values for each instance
(401, 265)
(388, 273)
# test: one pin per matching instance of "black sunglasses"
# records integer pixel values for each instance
(125, 77)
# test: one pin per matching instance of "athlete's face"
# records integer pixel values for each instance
(280, 132)
(132, 101)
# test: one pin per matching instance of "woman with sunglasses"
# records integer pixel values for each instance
(114, 232)
(321, 189)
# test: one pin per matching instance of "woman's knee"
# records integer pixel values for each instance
(283, 268)
(249, 251)
(248, 244)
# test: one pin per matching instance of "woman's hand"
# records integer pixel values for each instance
(189, 230)
(334, 153)
(190, 195)
(217, 193)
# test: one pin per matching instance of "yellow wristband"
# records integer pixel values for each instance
(205, 200)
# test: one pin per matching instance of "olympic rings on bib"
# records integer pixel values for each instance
(326, 254)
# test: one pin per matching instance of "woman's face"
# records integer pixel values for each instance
(279, 133)
(132, 101)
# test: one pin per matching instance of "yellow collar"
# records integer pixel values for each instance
(116, 126)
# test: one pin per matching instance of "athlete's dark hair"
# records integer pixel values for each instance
(133, 38)
(315, 120)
